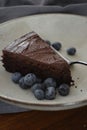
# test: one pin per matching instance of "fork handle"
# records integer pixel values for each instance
(78, 62)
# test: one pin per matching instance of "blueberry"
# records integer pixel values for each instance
(30, 79)
(39, 94)
(22, 84)
(16, 77)
(50, 93)
(71, 51)
(48, 42)
(36, 86)
(57, 45)
(49, 82)
(64, 89)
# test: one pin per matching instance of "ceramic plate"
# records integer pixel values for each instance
(71, 31)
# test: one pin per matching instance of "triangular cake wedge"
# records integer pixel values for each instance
(30, 53)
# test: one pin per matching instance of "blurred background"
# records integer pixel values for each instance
(39, 2)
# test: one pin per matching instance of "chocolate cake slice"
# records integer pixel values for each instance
(30, 53)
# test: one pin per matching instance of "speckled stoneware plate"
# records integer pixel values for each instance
(70, 30)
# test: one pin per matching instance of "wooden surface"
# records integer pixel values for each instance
(75, 119)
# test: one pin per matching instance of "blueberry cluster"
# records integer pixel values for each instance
(57, 45)
(46, 89)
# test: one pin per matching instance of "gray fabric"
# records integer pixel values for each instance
(16, 8)
(10, 9)
(39, 2)
(7, 108)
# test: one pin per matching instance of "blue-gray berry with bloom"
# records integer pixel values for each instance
(64, 89)
(30, 79)
(39, 94)
(22, 84)
(16, 77)
(50, 93)
(36, 86)
(71, 51)
(57, 45)
(49, 82)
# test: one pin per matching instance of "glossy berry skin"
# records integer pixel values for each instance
(57, 45)
(71, 51)
(49, 82)
(22, 84)
(50, 93)
(30, 79)
(64, 89)
(16, 77)
(39, 94)
(36, 86)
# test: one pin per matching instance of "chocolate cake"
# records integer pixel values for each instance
(30, 53)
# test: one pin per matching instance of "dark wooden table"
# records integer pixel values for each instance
(75, 119)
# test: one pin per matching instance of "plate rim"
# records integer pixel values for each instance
(24, 17)
(60, 106)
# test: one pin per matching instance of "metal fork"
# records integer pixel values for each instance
(68, 61)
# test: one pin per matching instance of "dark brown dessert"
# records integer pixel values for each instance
(30, 53)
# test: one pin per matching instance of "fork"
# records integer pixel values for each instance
(68, 61)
